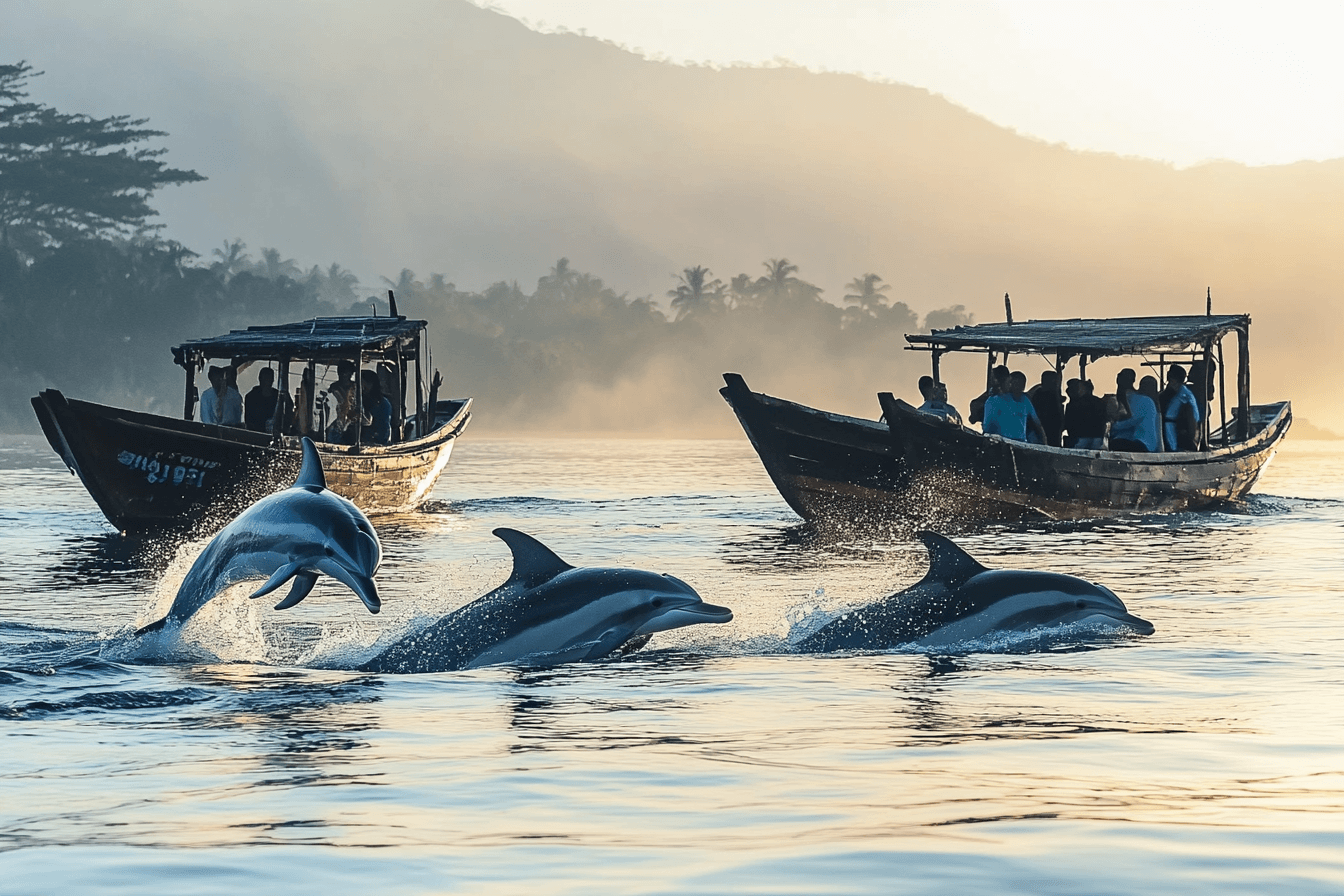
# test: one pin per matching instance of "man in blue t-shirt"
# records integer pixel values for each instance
(1011, 414)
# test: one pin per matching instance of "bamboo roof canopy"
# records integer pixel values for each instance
(1097, 337)
(321, 337)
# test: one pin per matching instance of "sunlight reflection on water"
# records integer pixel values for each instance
(1204, 756)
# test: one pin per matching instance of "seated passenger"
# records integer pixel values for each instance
(259, 406)
(1180, 413)
(1011, 414)
(377, 410)
(221, 404)
(935, 400)
(1134, 416)
(1084, 418)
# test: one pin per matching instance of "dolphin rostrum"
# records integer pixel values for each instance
(549, 612)
(293, 534)
(960, 600)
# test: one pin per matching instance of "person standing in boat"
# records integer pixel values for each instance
(1180, 413)
(259, 406)
(1049, 405)
(935, 400)
(998, 385)
(1084, 418)
(1200, 384)
(303, 404)
(343, 393)
(221, 405)
(1134, 415)
(377, 410)
(1010, 414)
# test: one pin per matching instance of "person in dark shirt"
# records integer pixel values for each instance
(377, 409)
(259, 405)
(1084, 418)
(1049, 405)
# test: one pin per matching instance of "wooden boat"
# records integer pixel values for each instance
(919, 468)
(149, 471)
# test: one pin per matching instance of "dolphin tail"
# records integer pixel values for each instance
(311, 476)
(303, 583)
(362, 585)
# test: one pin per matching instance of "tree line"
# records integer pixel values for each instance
(93, 295)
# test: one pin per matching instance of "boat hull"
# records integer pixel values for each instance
(147, 471)
(919, 468)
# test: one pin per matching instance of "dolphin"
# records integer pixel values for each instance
(293, 534)
(549, 612)
(960, 600)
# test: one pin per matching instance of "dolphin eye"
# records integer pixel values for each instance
(657, 602)
(1080, 603)
(326, 548)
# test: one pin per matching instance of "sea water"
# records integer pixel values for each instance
(1205, 758)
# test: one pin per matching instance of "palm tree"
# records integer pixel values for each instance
(780, 286)
(778, 280)
(866, 293)
(693, 295)
(273, 267)
(232, 259)
(559, 280)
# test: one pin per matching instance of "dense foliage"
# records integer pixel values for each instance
(92, 299)
(67, 177)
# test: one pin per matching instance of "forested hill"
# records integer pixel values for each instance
(484, 152)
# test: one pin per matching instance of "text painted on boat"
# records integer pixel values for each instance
(177, 469)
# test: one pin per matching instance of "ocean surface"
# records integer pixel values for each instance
(1205, 758)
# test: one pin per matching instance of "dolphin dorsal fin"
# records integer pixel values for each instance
(533, 562)
(311, 476)
(948, 563)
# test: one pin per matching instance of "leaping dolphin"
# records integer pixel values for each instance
(549, 612)
(960, 600)
(293, 534)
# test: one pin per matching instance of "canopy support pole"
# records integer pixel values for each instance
(1244, 381)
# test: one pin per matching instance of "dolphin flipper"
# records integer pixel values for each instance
(533, 562)
(362, 585)
(311, 476)
(303, 584)
(278, 578)
(948, 564)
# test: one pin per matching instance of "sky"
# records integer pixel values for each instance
(1182, 82)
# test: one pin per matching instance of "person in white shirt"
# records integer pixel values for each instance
(221, 404)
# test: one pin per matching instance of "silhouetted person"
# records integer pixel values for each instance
(259, 406)
(1049, 405)
(1084, 418)
(1200, 384)
(935, 400)
(221, 404)
(303, 404)
(1010, 414)
(377, 410)
(998, 386)
(1180, 413)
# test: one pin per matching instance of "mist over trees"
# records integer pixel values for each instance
(93, 296)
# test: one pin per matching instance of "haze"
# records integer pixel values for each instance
(441, 137)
